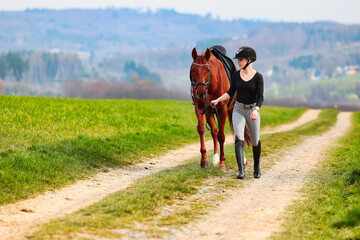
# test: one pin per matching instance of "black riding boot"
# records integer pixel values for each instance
(256, 153)
(239, 152)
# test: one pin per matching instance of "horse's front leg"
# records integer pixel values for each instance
(221, 135)
(204, 162)
(214, 134)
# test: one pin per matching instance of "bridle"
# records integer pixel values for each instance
(195, 99)
(195, 84)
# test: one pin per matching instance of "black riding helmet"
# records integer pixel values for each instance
(246, 52)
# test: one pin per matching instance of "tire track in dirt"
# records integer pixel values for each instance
(25, 216)
(255, 211)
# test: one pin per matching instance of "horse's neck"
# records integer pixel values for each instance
(219, 80)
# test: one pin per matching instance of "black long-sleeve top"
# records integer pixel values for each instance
(248, 92)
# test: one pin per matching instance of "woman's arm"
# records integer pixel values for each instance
(260, 91)
(260, 97)
(222, 98)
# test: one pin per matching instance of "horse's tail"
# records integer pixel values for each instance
(246, 130)
(230, 113)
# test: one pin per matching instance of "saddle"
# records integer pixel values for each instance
(220, 53)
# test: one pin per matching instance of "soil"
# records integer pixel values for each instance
(253, 212)
(256, 211)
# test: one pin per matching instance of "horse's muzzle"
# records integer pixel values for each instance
(201, 95)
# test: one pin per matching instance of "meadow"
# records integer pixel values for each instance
(47, 143)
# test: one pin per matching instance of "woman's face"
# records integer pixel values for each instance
(242, 62)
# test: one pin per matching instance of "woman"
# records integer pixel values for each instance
(249, 86)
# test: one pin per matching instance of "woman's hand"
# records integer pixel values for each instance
(254, 115)
(223, 97)
(215, 102)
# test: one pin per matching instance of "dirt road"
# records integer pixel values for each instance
(255, 211)
(22, 217)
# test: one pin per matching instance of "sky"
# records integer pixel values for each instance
(342, 11)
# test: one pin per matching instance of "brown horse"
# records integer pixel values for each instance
(209, 81)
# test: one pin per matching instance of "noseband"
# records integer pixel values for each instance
(194, 85)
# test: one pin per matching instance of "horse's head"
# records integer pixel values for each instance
(200, 73)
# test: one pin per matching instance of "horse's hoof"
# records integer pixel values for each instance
(222, 168)
(216, 160)
(205, 165)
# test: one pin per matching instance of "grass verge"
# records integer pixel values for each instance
(140, 208)
(331, 205)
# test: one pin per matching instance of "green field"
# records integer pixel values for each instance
(49, 142)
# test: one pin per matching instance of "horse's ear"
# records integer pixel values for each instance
(194, 53)
(207, 54)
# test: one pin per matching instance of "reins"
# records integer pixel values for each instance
(194, 85)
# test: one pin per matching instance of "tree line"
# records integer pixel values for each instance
(35, 67)
(26, 72)
(109, 90)
(345, 90)
(132, 69)
(44, 73)
(13, 64)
